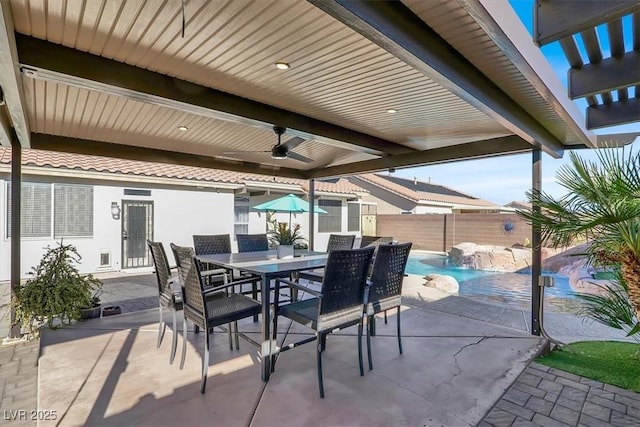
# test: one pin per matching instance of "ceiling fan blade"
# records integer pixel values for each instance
(294, 142)
(298, 157)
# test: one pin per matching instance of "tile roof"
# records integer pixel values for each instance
(421, 192)
(70, 161)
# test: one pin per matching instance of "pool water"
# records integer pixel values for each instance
(512, 289)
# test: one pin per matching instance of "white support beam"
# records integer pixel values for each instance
(556, 19)
(11, 81)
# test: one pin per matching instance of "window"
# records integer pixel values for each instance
(73, 210)
(241, 215)
(332, 220)
(36, 210)
(353, 216)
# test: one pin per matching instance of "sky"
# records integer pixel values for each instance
(506, 178)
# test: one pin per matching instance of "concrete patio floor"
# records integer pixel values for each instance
(109, 372)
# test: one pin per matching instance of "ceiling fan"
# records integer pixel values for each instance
(280, 150)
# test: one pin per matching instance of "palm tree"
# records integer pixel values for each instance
(602, 207)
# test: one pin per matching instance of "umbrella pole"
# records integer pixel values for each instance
(289, 220)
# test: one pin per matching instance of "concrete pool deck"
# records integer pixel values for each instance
(465, 363)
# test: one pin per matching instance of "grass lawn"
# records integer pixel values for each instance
(610, 362)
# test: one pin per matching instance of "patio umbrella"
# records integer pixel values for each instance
(289, 203)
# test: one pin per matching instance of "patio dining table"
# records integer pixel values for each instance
(267, 266)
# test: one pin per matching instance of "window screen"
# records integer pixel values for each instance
(241, 215)
(73, 210)
(35, 214)
(353, 217)
(332, 220)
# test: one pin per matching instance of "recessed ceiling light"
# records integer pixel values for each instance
(392, 110)
(282, 66)
(183, 128)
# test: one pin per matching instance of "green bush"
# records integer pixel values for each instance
(56, 291)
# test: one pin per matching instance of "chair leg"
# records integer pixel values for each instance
(399, 334)
(174, 338)
(185, 327)
(385, 317)
(161, 328)
(254, 295)
(360, 349)
(205, 361)
(237, 334)
(274, 336)
(230, 334)
(372, 325)
(369, 318)
(320, 349)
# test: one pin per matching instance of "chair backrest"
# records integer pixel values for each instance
(252, 242)
(344, 280)
(340, 241)
(190, 280)
(388, 271)
(163, 272)
(375, 241)
(212, 244)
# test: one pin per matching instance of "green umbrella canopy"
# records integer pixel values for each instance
(289, 203)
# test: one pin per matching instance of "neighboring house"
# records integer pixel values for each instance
(522, 206)
(393, 195)
(108, 207)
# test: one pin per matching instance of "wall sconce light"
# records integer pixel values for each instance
(115, 210)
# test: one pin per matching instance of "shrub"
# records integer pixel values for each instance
(56, 291)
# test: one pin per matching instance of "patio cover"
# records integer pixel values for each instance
(118, 78)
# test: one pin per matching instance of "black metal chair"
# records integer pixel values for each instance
(336, 242)
(385, 288)
(213, 277)
(209, 307)
(338, 305)
(169, 294)
(221, 244)
(252, 242)
(375, 240)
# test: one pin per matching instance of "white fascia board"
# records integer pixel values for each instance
(262, 185)
(537, 70)
(102, 176)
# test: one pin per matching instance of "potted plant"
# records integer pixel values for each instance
(285, 238)
(56, 292)
(94, 309)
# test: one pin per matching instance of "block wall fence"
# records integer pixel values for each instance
(439, 232)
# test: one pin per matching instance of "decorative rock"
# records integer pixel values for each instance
(442, 282)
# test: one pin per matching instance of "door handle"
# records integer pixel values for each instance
(124, 235)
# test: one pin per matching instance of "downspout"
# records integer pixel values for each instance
(312, 213)
(16, 195)
(536, 239)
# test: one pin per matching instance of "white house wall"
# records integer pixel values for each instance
(178, 214)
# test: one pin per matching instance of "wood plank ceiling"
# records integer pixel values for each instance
(117, 77)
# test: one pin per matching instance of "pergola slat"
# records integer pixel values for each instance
(615, 113)
(554, 20)
(610, 74)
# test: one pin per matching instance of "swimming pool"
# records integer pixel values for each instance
(512, 289)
